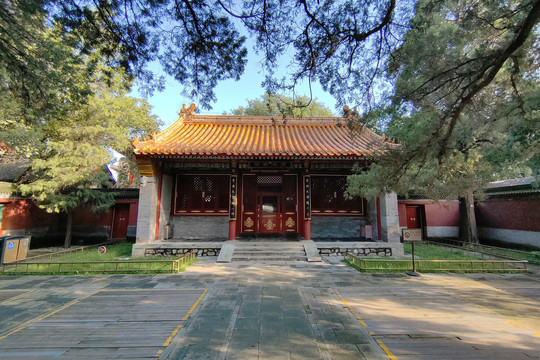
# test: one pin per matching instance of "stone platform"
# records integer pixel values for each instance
(213, 248)
(242, 311)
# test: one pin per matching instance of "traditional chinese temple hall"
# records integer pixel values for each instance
(208, 181)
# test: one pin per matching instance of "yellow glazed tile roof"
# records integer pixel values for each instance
(255, 136)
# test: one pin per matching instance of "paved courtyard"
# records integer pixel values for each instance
(271, 311)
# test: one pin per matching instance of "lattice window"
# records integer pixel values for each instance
(269, 179)
(202, 194)
(289, 193)
(249, 193)
(327, 196)
(185, 201)
(197, 184)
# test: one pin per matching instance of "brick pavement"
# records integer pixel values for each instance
(271, 311)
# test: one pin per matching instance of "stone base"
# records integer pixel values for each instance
(207, 248)
(180, 252)
(356, 252)
(176, 248)
(360, 248)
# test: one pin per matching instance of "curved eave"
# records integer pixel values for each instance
(226, 137)
(252, 156)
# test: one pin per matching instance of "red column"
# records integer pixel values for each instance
(307, 229)
(232, 229)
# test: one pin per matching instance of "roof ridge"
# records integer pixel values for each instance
(256, 135)
(246, 119)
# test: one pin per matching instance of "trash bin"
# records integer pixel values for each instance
(24, 246)
(2, 247)
(13, 248)
(10, 249)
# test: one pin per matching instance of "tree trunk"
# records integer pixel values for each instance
(467, 219)
(67, 241)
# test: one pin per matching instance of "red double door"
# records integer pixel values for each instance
(413, 217)
(269, 208)
(120, 221)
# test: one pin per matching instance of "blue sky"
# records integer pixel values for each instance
(230, 94)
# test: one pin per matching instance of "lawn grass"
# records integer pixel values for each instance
(116, 259)
(510, 246)
(532, 256)
(519, 252)
(113, 252)
(432, 252)
(432, 258)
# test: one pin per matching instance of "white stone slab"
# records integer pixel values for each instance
(312, 253)
(226, 253)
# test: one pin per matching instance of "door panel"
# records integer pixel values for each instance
(120, 222)
(269, 214)
(269, 204)
(413, 217)
(249, 204)
(289, 210)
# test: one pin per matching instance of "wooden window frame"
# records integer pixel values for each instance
(217, 194)
(338, 209)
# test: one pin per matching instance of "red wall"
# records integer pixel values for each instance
(517, 213)
(442, 213)
(84, 216)
(23, 214)
(133, 210)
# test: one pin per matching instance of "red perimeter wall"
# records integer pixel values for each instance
(23, 216)
(442, 213)
(513, 213)
(20, 214)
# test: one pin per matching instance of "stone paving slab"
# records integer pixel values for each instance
(262, 312)
(12, 294)
(463, 319)
(106, 324)
(271, 311)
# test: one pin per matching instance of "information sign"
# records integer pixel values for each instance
(412, 235)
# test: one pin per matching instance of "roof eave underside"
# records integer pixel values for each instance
(247, 157)
(246, 140)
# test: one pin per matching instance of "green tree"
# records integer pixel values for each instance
(71, 169)
(61, 105)
(474, 125)
(465, 106)
(457, 79)
(279, 105)
(199, 42)
(43, 77)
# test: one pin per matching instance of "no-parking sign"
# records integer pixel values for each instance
(412, 235)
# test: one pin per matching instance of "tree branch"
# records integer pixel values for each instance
(481, 82)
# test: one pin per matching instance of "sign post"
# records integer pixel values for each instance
(412, 236)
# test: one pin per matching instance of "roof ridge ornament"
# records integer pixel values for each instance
(352, 119)
(187, 113)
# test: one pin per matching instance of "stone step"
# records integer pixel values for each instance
(260, 251)
(269, 253)
(269, 249)
(241, 248)
(268, 258)
(275, 245)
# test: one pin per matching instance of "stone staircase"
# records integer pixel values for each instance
(258, 251)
